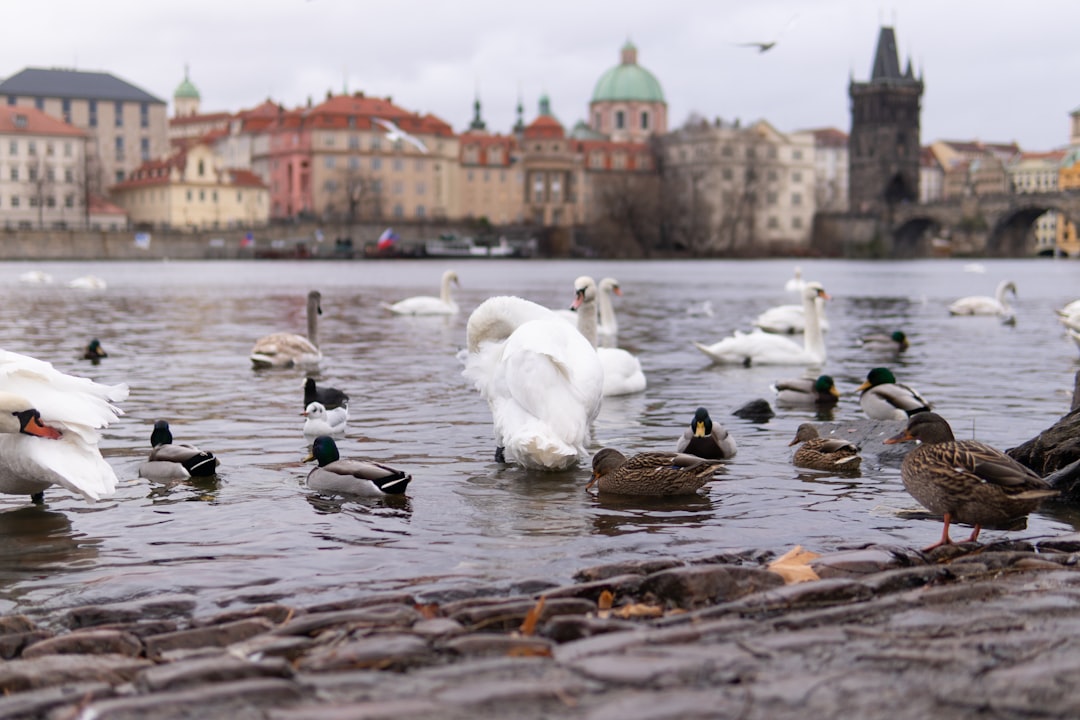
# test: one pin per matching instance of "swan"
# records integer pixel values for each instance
(622, 371)
(882, 398)
(330, 397)
(351, 477)
(88, 282)
(427, 305)
(789, 319)
(321, 421)
(607, 327)
(706, 439)
(984, 305)
(75, 408)
(173, 461)
(796, 283)
(541, 378)
(36, 277)
(762, 348)
(282, 350)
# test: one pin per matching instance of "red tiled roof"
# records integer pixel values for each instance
(100, 206)
(36, 122)
(245, 178)
(543, 127)
(199, 119)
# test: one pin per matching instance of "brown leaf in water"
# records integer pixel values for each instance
(638, 610)
(794, 565)
(606, 600)
(528, 625)
(428, 610)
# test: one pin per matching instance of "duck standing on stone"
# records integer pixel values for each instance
(650, 473)
(706, 439)
(965, 480)
(882, 398)
(818, 453)
(174, 461)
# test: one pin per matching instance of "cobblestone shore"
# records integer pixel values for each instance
(872, 632)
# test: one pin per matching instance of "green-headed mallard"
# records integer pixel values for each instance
(820, 391)
(351, 477)
(965, 480)
(880, 342)
(650, 473)
(818, 453)
(94, 352)
(173, 461)
(706, 439)
(882, 398)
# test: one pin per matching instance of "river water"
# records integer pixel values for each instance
(179, 334)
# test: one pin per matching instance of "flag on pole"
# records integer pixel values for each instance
(387, 239)
(248, 240)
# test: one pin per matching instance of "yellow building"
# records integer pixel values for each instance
(189, 190)
(1069, 179)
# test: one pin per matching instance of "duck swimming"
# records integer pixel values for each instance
(818, 453)
(882, 398)
(351, 477)
(650, 473)
(174, 461)
(706, 439)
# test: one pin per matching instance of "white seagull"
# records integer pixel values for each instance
(394, 133)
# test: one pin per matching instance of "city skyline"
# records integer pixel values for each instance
(438, 59)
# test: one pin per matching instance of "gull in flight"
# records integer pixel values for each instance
(394, 133)
(770, 44)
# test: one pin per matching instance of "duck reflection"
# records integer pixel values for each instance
(392, 505)
(193, 489)
(624, 514)
(33, 539)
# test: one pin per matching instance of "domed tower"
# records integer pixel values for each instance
(186, 98)
(628, 102)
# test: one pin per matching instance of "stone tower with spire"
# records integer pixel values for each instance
(883, 147)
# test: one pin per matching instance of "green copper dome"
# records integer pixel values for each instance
(186, 89)
(628, 81)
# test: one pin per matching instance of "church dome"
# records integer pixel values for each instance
(628, 81)
(186, 89)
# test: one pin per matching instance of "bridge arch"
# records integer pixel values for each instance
(914, 237)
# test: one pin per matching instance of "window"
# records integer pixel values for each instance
(10, 99)
(796, 176)
(144, 149)
(376, 143)
(189, 196)
(796, 154)
(796, 198)
(773, 223)
(119, 176)
(33, 201)
(119, 148)
(39, 103)
(144, 115)
(13, 148)
(329, 162)
(421, 187)
(69, 176)
(421, 211)
(726, 151)
(354, 140)
(376, 163)
(538, 188)
(32, 172)
(50, 174)
(419, 165)
(399, 164)
(770, 198)
(14, 173)
(354, 163)
(14, 201)
(726, 173)
(644, 119)
(202, 196)
(796, 222)
(239, 196)
(399, 187)
(620, 119)
(31, 148)
(67, 149)
(399, 211)
(50, 201)
(771, 176)
(118, 111)
(596, 121)
(213, 196)
(92, 108)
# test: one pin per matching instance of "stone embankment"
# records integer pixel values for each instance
(873, 632)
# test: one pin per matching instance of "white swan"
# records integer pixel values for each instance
(789, 319)
(88, 282)
(762, 348)
(607, 328)
(321, 421)
(426, 304)
(985, 305)
(75, 408)
(284, 349)
(36, 277)
(541, 378)
(622, 371)
(796, 283)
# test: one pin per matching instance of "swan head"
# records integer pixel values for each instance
(1006, 286)
(814, 290)
(315, 411)
(314, 301)
(611, 285)
(605, 461)
(324, 450)
(877, 376)
(584, 291)
(450, 276)
(17, 416)
(805, 432)
(702, 423)
(161, 434)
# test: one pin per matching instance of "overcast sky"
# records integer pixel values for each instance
(994, 70)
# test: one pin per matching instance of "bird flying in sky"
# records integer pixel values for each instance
(394, 133)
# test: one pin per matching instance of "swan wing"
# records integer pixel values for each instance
(622, 372)
(423, 305)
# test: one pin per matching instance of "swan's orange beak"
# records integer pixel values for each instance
(34, 426)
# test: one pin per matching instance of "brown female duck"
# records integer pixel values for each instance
(965, 480)
(650, 473)
(818, 453)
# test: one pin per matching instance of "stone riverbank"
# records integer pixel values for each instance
(872, 632)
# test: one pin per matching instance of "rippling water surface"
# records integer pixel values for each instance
(179, 333)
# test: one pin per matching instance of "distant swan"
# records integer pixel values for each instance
(762, 348)
(88, 282)
(796, 283)
(789, 319)
(622, 371)
(985, 305)
(36, 277)
(74, 408)
(428, 305)
(541, 379)
(282, 350)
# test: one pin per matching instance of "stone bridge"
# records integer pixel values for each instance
(986, 225)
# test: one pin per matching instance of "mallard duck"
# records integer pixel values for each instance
(820, 391)
(706, 439)
(650, 473)
(94, 352)
(284, 349)
(883, 398)
(880, 342)
(985, 305)
(965, 480)
(174, 461)
(76, 408)
(426, 304)
(351, 477)
(330, 397)
(320, 421)
(818, 453)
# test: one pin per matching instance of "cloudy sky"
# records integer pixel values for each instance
(994, 70)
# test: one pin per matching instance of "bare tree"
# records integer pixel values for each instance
(628, 208)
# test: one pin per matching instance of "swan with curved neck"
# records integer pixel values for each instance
(762, 348)
(541, 378)
(283, 350)
(985, 305)
(428, 305)
(622, 371)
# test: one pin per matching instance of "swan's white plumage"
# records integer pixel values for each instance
(607, 326)
(283, 349)
(428, 305)
(789, 319)
(985, 305)
(541, 378)
(78, 408)
(762, 348)
(796, 283)
(622, 371)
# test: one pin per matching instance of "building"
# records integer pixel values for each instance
(931, 177)
(42, 171)
(1068, 241)
(191, 190)
(884, 147)
(491, 186)
(740, 190)
(1038, 173)
(830, 168)
(972, 167)
(125, 124)
(628, 103)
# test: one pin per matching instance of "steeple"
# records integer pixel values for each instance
(886, 62)
(545, 105)
(477, 123)
(519, 124)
